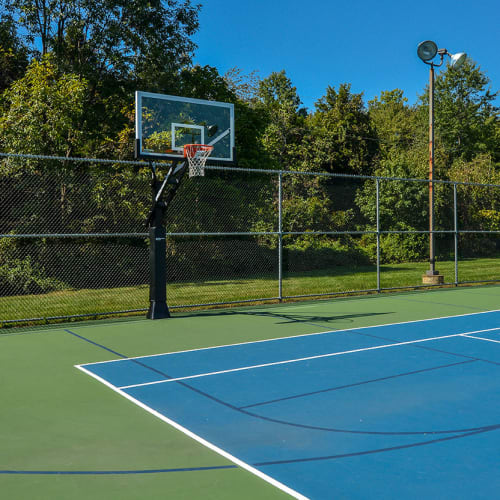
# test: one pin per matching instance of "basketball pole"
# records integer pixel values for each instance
(158, 308)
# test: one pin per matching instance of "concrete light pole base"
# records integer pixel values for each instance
(432, 279)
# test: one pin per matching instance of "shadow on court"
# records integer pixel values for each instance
(313, 318)
(286, 318)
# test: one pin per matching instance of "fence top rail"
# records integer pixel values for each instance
(75, 235)
(248, 170)
(348, 176)
(76, 159)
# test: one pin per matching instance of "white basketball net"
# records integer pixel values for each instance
(197, 155)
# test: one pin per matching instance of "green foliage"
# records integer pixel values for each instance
(314, 213)
(397, 248)
(202, 259)
(199, 204)
(205, 82)
(75, 99)
(491, 219)
(465, 112)
(250, 121)
(114, 47)
(477, 206)
(281, 137)
(277, 91)
(311, 253)
(340, 136)
(13, 53)
(22, 277)
(147, 42)
(401, 203)
(475, 201)
(44, 112)
(395, 123)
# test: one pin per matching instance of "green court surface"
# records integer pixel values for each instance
(60, 429)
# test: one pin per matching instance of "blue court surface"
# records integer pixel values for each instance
(408, 410)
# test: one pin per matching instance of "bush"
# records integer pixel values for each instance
(398, 248)
(22, 277)
(309, 254)
(206, 259)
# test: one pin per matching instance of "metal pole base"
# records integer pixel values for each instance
(432, 279)
(158, 310)
(433, 272)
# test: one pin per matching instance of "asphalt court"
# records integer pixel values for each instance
(339, 414)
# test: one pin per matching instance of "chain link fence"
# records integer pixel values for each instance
(73, 242)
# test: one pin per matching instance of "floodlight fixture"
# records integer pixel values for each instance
(457, 59)
(427, 50)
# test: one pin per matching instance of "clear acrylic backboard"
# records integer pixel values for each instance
(165, 124)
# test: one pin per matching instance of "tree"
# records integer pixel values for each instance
(245, 87)
(132, 40)
(465, 114)
(205, 82)
(402, 138)
(341, 135)
(13, 53)
(44, 112)
(394, 122)
(279, 100)
(116, 46)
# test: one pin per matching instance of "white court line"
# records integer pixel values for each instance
(480, 338)
(346, 330)
(297, 360)
(194, 436)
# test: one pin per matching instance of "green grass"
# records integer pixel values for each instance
(334, 280)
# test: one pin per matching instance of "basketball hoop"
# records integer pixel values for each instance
(197, 155)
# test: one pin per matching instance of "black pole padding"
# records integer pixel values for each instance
(158, 308)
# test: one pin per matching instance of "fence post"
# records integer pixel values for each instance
(280, 237)
(455, 222)
(377, 186)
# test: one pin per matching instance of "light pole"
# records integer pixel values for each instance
(427, 51)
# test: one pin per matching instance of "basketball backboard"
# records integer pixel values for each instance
(164, 124)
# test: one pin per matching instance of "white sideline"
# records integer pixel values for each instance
(308, 358)
(194, 436)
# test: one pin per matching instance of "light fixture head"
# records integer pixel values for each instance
(427, 50)
(457, 59)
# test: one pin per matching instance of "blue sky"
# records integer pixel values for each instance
(370, 44)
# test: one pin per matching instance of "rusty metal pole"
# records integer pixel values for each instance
(427, 51)
(432, 255)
